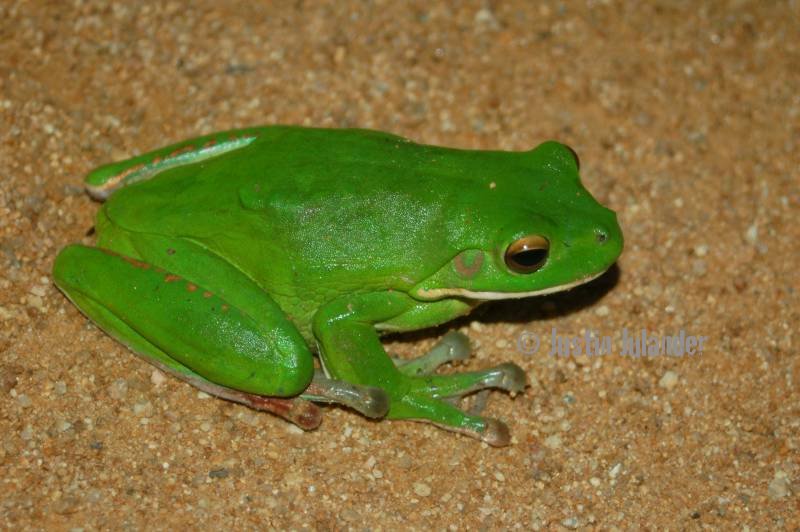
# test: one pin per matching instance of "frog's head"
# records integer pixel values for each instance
(533, 229)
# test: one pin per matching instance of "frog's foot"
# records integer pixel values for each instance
(432, 398)
(452, 347)
(372, 402)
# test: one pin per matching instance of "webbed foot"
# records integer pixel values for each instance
(435, 398)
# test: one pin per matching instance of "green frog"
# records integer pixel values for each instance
(232, 259)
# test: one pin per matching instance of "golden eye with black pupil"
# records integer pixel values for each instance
(575, 156)
(527, 254)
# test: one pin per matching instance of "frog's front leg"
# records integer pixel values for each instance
(351, 351)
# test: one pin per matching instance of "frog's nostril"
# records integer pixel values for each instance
(601, 236)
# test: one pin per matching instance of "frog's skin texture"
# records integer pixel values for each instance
(229, 260)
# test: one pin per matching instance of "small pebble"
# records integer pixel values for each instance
(37, 303)
(219, 473)
(24, 401)
(39, 290)
(669, 380)
(405, 462)
(570, 522)
(421, 489)
(779, 486)
(602, 311)
(484, 17)
(118, 389)
(751, 235)
(143, 409)
(476, 326)
(699, 267)
(553, 442)
(157, 378)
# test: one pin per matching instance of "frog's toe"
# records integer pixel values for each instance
(452, 347)
(509, 377)
(375, 403)
(370, 401)
(493, 431)
(420, 405)
(457, 345)
(496, 433)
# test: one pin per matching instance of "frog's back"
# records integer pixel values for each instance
(345, 204)
(298, 169)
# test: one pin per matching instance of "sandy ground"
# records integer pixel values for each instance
(686, 120)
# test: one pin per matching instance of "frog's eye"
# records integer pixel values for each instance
(527, 254)
(574, 156)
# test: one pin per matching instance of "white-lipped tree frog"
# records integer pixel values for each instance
(231, 259)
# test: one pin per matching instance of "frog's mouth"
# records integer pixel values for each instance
(441, 293)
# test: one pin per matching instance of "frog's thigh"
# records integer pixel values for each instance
(224, 344)
(302, 413)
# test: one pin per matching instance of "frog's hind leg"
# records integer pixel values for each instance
(189, 331)
(244, 350)
(103, 181)
(302, 413)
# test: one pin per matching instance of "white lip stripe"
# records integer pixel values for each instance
(438, 293)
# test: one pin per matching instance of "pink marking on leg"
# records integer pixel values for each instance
(136, 263)
(181, 151)
(302, 413)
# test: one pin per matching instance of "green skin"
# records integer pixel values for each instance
(230, 259)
